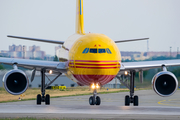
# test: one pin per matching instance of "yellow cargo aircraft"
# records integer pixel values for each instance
(89, 59)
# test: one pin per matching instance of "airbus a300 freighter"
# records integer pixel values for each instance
(89, 59)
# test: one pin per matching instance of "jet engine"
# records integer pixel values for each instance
(165, 83)
(15, 82)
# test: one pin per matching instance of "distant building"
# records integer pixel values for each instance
(34, 48)
(144, 55)
(140, 56)
(173, 54)
(131, 55)
(4, 53)
(21, 52)
(49, 58)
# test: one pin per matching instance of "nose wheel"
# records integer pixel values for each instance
(94, 100)
(98, 100)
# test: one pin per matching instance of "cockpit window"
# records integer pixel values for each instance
(92, 50)
(101, 51)
(86, 50)
(95, 50)
(108, 51)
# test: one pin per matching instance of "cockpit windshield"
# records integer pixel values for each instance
(108, 51)
(93, 50)
(96, 50)
(86, 50)
(101, 51)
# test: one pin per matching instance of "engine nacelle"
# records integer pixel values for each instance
(165, 83)
(15, 82)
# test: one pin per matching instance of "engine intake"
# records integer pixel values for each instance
(165, 83)
(15, 82)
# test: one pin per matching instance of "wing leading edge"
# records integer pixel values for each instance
(36, 64)
(146, 65)
(130, 40)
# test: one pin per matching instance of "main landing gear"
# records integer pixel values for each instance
(94, 100)
(43, 97)
(132, 98)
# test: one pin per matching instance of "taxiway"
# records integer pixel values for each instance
(151, 106)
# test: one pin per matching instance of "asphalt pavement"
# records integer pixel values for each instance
(151, 106)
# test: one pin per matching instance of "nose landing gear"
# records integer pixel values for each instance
(94, 100)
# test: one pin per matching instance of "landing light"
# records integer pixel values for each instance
(50, 72)
(126, 73)
(93, 86)
(97, 86)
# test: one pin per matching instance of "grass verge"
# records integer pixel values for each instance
(30, 94)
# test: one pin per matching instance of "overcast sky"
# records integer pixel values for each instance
(119, 19)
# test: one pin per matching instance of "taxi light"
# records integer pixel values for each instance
(50, 72)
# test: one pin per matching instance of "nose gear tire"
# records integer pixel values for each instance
(98, 100)
(91, 101)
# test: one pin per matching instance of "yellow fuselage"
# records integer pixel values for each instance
(93, 58)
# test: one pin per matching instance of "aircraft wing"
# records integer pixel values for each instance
(130, 40)
(56, 67)
(146, 65)
(37, 39)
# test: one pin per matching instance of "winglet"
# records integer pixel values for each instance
(79, 17)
